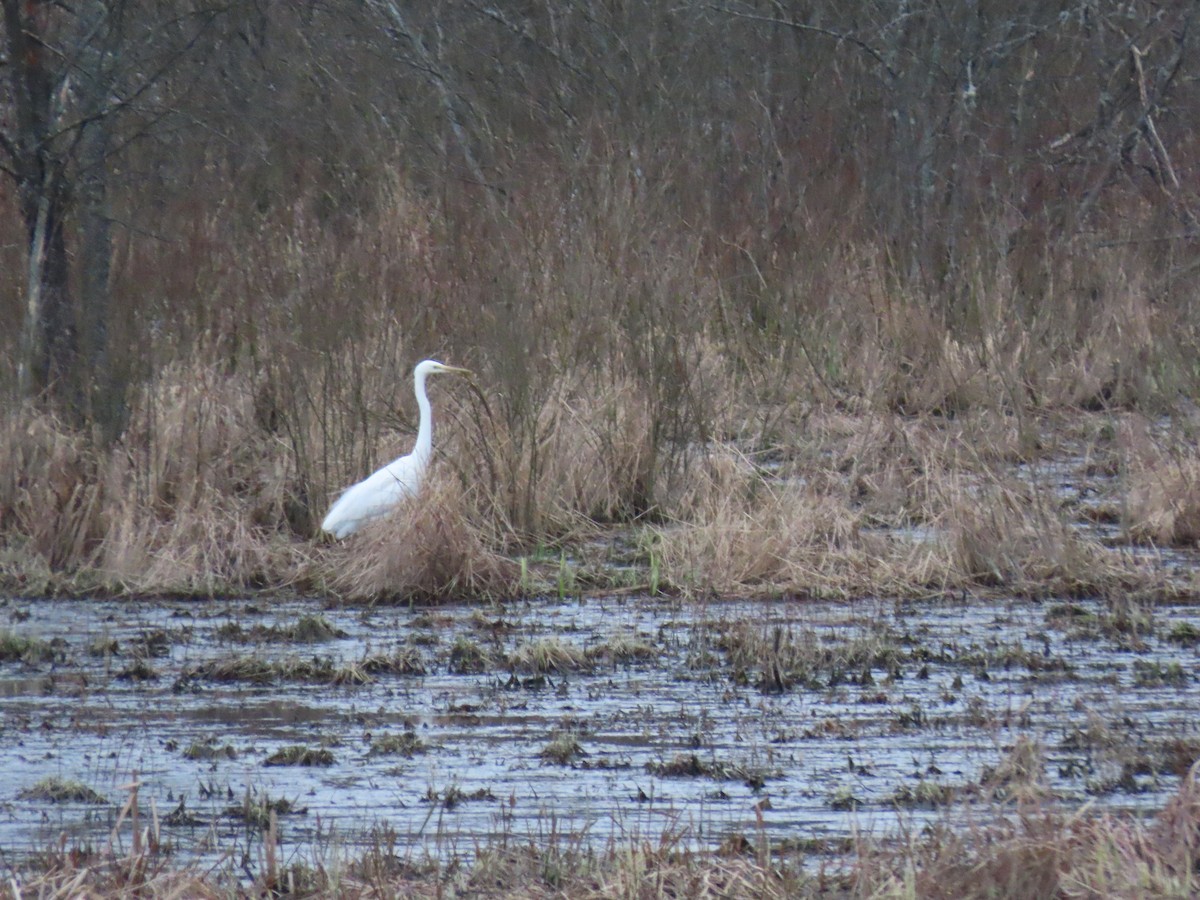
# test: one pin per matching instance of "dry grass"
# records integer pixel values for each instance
(199, 517)
(1005, 534)
(1041, 853)
(1163, 500)
(891, 506)
(757, 537)
(194, 502)
(427, 551)
(1035, 851)
(548, 655)
(771, 436)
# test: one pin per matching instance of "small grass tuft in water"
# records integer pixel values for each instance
(1020, 775)
(689, 765)
(621, 649)
(451, 796)
(138, 670)
(308, 629)
(467, 657)
(923, 795)
(406, 743)
(62, 790)
(1185, 634)
(1151, 673)
(299, 755)
(256, 811)
(208, 750)
(843, 800)
(548, 655)
(564, 748)
(257, 670)
(402, 661)
(19, 648)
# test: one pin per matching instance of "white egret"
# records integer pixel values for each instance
(378, 494)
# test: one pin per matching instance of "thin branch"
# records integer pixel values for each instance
(839, 36)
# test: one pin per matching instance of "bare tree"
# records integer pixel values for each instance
(71, 75)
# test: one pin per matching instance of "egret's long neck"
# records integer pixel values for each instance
(424, 447)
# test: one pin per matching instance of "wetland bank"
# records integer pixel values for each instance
(604, 705)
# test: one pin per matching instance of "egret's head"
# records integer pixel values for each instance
(433, 367)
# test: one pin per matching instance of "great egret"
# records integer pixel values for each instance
(375, 496)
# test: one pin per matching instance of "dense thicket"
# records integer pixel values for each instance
(231, 230)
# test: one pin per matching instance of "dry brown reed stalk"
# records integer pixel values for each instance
(1042, 852)
(583, 457)
(867, 505)
(999, 532)
(51, 496)
(201, 504)
(1020, 775)
(1162, 482)
(1119, 349)
(192, 502)
(427, 550)
(1163, 503)
(754, 536)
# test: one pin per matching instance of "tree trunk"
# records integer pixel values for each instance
(102, 394)
(50, 342)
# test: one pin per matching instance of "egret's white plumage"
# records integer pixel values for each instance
(378, 494)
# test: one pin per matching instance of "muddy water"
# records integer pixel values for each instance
(128, 692)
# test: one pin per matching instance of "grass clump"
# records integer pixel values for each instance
(256, 811)
(452, 796)
(208, 750)
(1184, 633)
(1163, 502)
(308, 629)
(467, 657)
(1150, 673)
(564, 748)
(299, 755)
(690, 765)
(253, 669)
(406, 743)
(1006, 535)
(1020, 775)
(29, 650)
(923, 795)
(402, 661)
(548, 656)
(54, 789)
(777, 659)
(621, 649)
(426, 551)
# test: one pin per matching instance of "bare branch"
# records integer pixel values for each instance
(840, 36)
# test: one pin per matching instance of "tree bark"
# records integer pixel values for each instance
(50, 342)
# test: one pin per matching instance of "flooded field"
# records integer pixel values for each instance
(434, 730)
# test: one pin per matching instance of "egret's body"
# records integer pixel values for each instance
(376, 495)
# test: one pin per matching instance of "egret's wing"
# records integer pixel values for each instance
(373, 496)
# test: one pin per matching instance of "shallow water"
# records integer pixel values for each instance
(959, 683)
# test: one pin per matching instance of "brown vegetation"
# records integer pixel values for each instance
(803, 302)
(893, 313)
(1036, 852)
